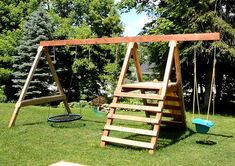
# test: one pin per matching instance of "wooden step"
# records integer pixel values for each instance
(136, 107)
(134, 118)
(166, 106)
(131, 130)
(151, 86)
(167, 114)
(172, 98)
(137, 95)
(172, 123)
(172, 107)
(128, 142)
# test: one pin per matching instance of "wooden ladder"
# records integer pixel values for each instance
(167, 95)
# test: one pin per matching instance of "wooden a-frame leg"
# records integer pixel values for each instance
(14, 116)
(156, 127)
(162, 92)
(109, 122)
(118, 89)
(139, 72)
(26, 86)
(179, 83)
(56, 79)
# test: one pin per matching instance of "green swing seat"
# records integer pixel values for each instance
(202, 126)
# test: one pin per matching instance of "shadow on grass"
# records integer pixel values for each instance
(171, 135)
(34, 123)
(168, 136)
(93, 121)
(67, 125)
(220, 135)
(206, 142)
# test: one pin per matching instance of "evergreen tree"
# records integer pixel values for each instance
(71, 20)
(36, 29)
(12, 16)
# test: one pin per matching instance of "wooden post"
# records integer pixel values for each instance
(167, 73)
(139, 72)
(21, 102)
(163, 91)
(150, 38)
(26, 86)
(118, 89)
(56, 79)
(179, 83)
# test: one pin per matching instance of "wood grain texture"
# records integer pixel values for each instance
(133, 118)
(150, 38)
(127, 142)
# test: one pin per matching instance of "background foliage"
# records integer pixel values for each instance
(194, 16)
(89, 71)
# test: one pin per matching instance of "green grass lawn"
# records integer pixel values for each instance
(34, 141)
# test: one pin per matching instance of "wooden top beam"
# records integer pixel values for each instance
(152, 38)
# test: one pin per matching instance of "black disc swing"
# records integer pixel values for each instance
(69, 117)
(202, 125)
(64, 118)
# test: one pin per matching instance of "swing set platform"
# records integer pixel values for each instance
(160, 99)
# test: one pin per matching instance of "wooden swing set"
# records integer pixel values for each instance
(167, 96)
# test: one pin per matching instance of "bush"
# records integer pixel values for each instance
(3, 97)
(80, 104)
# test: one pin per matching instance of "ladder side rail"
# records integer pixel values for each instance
(167, 73)
(118, 89)
(179, 83)
(56, 79)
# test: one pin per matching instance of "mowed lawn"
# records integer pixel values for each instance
(33, 141)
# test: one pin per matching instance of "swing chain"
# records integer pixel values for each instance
(213, 87)
(195, 87)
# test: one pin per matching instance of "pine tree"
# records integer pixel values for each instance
(36, 29)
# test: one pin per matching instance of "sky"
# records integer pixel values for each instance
(133, 22)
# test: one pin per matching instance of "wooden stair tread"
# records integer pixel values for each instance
(147, 85)
(172, 107)
(172, 98)
(137, 95)
(128, 142)
(131, 130)
(167, 106)
(168, 114)
(134, 118)
(172, 122)
(136, 107)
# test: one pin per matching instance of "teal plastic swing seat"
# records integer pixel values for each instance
(97, 113)
(202, 126)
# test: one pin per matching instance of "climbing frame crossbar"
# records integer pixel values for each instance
(136, 39)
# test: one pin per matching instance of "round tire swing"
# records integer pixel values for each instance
(65, 117)
(203, 125)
